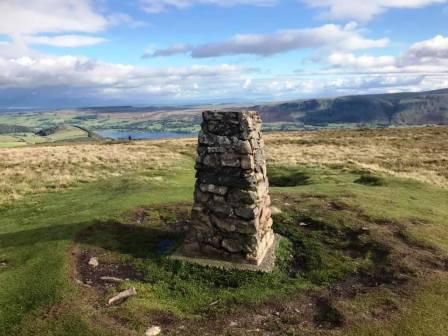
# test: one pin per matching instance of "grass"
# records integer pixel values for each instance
(365, 252)
(418, 153)
(370, 180)
(67, 133)
(52, 167)
(37, 233)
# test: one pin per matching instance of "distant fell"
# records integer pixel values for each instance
(410, 108)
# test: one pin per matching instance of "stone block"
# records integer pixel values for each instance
(214, 189)
(247, 212)
(231, 215)
(247, 162)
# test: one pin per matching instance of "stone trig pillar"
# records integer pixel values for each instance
(231, 216)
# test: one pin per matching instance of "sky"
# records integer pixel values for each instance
(66, 53)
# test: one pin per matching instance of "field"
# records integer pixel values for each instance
(363, 213)
(60, 134)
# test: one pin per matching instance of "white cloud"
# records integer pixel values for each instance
(429, 56)
(49, 16)
(45, 79)
(436, 47)
(65, 78)
(157, 6)
(55, 22)
(69, 41)
(331, 36)
(364, 10)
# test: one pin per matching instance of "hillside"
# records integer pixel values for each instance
(383, 109)
(7, 129)
(365, 248)
(419, 108)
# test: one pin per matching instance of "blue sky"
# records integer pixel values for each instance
(56, 53)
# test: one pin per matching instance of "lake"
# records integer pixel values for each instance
(136, 135)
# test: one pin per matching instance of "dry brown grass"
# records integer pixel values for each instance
(42, 168)
(419, 153)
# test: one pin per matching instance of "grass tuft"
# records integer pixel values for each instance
(370, 180)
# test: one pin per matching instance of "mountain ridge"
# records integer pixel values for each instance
(404, 108)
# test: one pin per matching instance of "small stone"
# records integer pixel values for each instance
(120, 297)
(94, 262)
(111, 279)
(153, 331)
(303, 224)
(233, 324)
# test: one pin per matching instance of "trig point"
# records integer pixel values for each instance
(231, 216)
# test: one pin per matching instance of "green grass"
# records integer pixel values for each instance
(342, 235)
(35, 236)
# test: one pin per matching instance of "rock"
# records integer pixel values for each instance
(243, 147)
(211, 188)
(111, 279)
(94, 262)
(238, 196)
(153, 331)
(303, 224)
(247, 162)
(220, 208)
(233, 324)
(214, 303)
(224, 224)
(120, 297)
(230, 160)
(232, 245)
(246, 213)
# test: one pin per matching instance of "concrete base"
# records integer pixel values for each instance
(190, 253)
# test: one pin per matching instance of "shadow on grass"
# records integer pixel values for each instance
(287, 177)
(43, 234)
(135, 240)
(370, 180)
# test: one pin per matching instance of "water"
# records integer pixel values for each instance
(124, 134)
